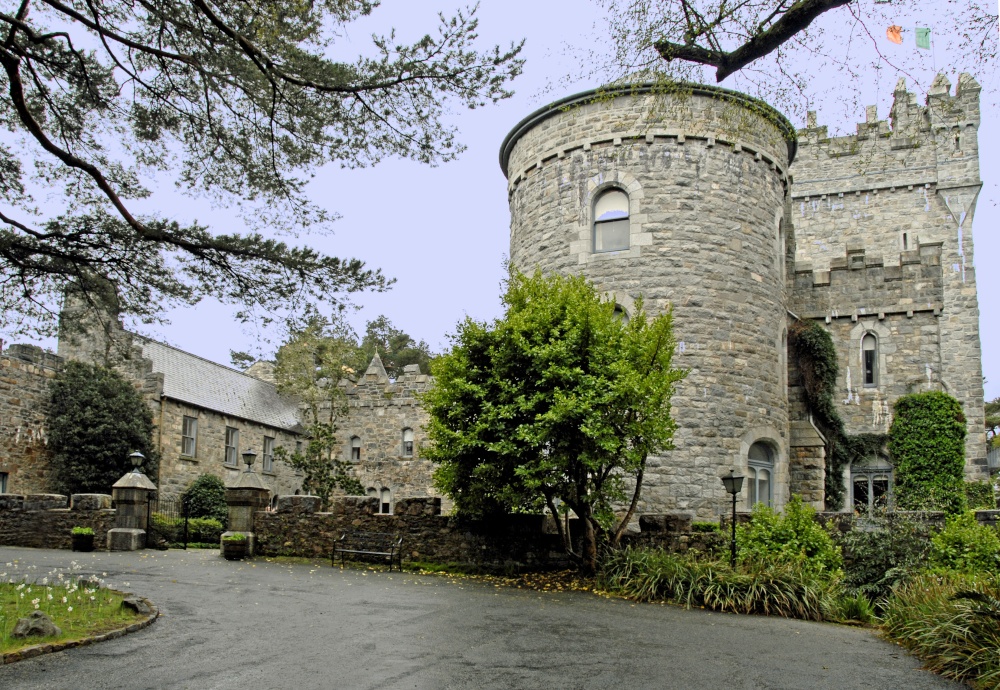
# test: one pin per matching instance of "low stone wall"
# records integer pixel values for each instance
(45, 521)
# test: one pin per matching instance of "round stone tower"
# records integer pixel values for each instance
(677, 196)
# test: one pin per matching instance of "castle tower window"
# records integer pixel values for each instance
(355, 448)
(871, 486)
(869, 360)
(611, 222)
(620, 314)
(3, 482)
(760, 461)
(385, 507)
(408, 442)
(189, 436)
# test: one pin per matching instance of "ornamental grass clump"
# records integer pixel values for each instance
(80, 606)
(951, 621)
(765, 587)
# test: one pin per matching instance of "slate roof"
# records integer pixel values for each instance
(190, 379)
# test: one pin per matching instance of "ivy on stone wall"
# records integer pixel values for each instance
(816, 358)
(927, 443)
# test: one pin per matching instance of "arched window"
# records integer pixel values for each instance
(871, 486)
(869, 360)
(760, 471)
(355, 448)
(408, 442)
(386, 505)
(611, 223)
(621, 314)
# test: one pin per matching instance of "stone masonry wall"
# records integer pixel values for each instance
(378, 411)
(706, 180)
(29, 520)
(25, 374)
(888, 193)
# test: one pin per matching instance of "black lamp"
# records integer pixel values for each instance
(136, 459)
(733, 483)
(249, 456)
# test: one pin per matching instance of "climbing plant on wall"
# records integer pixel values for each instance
(927, 443)
(816, 358)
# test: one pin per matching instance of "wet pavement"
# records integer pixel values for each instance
(272, 625)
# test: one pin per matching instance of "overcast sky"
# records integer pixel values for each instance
(442, 232)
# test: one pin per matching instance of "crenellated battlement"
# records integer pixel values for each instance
(934, 144)
(859, 284)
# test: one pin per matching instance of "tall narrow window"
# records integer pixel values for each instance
(268, 454)
(232, 447)
(760, 469)
(355, 448)
(869, 360)
(3, 482)
(386, 504)
(189, 436)
(611, 222)
(408, 442)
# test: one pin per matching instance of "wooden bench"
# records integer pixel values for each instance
(379, 544)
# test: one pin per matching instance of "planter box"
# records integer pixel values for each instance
(234, 550)
(82, 542)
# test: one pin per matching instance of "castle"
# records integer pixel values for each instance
(708, 202)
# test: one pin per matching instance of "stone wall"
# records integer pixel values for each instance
(25, 374)
(886, 193)
(46, 521)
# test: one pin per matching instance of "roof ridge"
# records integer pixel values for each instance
(205, 359)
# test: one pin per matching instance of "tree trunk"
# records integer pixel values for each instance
(589, 560)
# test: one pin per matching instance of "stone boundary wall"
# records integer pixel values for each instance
(45, 521)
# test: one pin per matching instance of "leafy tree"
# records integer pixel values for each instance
(395, 348)
(206, 498)
(238, 102)
(558, 403)
(310, 366)
(992, 410)
(927, 445)
(96, 419)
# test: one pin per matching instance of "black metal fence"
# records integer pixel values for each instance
(167, 521)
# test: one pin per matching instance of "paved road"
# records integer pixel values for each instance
(269, 625)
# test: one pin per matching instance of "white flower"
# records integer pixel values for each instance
(69, 608)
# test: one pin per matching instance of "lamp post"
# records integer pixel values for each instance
(248, 457)
(136, 459)
(733, 483)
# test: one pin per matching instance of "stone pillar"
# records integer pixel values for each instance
(245, 498)
(131, 496)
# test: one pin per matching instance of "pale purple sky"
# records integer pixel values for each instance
(443, 232)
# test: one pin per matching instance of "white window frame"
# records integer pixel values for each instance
(869, 337)
(385, 501)
(355, 448)
(232, 453)
(268, 462)
(874, 470)
(189, 436)
(599, 224)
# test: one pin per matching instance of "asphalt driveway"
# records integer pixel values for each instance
(268, 625)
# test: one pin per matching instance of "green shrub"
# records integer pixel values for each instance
(950, 622)
(704, 526)
(763, 587)
(965, 545)
(882, 553)
(206, 530)
(927, 445)
(235, 536)
(83, 530)
(206, 497)
(791, 537)
(855, 607)
(980, 496)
